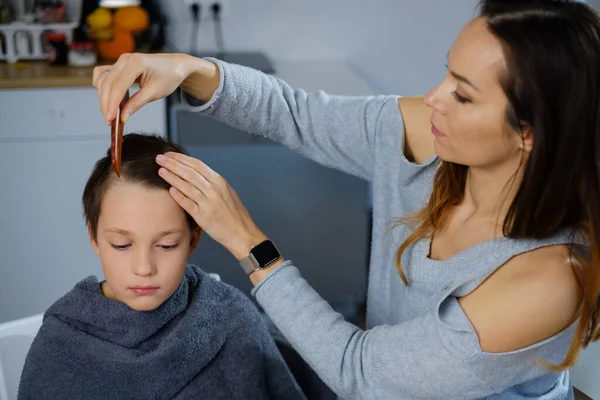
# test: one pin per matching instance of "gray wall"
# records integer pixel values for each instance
(397, 45)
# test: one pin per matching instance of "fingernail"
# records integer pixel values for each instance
(162, 171)
(126, 117)
(161, 158)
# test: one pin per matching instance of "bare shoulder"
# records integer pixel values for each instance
(418, 145)
(532, 297)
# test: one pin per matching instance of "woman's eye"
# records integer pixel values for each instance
(120, 246)
(460, 98)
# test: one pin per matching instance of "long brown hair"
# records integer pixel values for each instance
(552, 82)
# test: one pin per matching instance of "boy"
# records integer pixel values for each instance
(156, 328)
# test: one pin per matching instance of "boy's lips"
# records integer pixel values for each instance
(143, 290)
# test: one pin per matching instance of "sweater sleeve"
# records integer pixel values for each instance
(433, 356)
(335, 131)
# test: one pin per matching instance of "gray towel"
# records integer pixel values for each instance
(208, 341)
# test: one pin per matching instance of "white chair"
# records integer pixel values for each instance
(215, 276)
(15, 341)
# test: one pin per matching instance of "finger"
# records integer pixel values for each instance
(135, 102)
(98, 72)
(121, 77)
(185, 172)
(113, 90)
(99, 89)
(183, 186)
(106, 87)
(203, 169)
(100, 76)
(214, 186)
(190, 206)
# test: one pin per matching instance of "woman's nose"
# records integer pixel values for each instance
(435, 99)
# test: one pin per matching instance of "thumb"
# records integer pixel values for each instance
(135, 102)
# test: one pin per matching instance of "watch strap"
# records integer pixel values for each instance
(248, 265)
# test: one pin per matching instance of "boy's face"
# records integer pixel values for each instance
(143, 241)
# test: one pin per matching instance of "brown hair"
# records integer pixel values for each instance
(138, 165)
(552, 83)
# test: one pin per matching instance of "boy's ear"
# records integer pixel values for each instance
(196, 233)
(93, 241)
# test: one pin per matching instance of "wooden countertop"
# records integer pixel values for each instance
(38, 74)
(335, 77)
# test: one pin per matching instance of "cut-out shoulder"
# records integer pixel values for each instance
(418, 143)
(532, 297)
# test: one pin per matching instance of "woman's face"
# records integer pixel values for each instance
(143, 240)
(469, 105)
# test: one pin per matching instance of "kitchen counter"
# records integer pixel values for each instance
(39, 74)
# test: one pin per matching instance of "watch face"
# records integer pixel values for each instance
(265, 253)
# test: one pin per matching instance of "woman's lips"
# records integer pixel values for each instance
(436, 131)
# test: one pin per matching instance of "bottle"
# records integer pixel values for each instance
(57, 50)
(82, 54)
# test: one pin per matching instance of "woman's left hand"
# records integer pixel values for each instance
(213, 204)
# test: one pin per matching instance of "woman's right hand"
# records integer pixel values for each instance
(158, 75)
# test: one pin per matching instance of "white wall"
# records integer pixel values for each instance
(396, 45)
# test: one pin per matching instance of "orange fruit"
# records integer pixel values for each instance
(122, 42)
(101, 34)
(100, 19)
(131, 19)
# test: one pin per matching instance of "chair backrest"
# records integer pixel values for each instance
(215, 276)
(15, 340)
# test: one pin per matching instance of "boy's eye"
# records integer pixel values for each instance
(120, 247)
(169, 247)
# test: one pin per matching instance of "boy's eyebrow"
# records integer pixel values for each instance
(161, 234)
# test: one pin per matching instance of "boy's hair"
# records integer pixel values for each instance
(138, 165)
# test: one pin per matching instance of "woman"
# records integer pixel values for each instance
(488, 284)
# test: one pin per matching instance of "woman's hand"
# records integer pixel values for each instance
(213, 204)
(158, 76)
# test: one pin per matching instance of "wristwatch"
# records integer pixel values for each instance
(261, 256)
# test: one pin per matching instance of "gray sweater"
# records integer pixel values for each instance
(419, 343)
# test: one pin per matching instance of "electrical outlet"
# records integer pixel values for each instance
(206, 12)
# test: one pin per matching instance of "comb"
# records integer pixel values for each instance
(116, 137)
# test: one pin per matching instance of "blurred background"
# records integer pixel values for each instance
(51, 130)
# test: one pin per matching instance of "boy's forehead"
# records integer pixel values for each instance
(130, 202)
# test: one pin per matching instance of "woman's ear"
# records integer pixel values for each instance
(93, 240)
(196, 233)
(527, 139)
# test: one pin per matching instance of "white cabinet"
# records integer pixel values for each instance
(49, 142)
